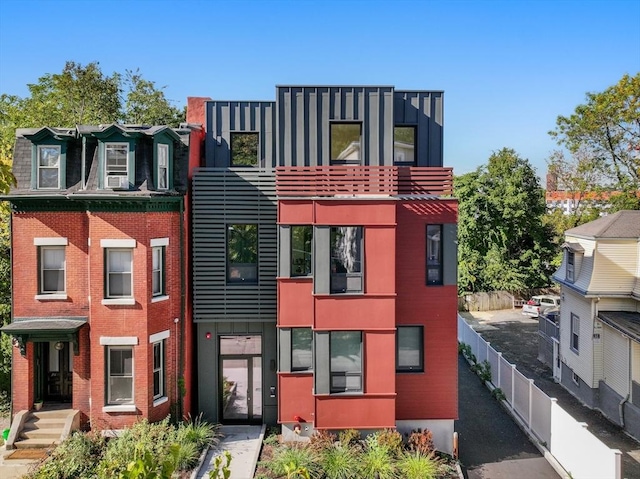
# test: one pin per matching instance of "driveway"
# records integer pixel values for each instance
(516, 336)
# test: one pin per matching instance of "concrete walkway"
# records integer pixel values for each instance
(244, 443)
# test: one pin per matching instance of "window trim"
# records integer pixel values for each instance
(571, 265)
(165, 147)
(339, 161)
(438, 258)
(241, 280)
(41, 282)
(110, 406)
(360, 374)
(161, 369)
(574, 338)
(415, 146)
(354, 274)
(108, 297)
(247, 133)
(293, 274)
(410, 369)
(310, 367)
(159, 290)
(38, 167)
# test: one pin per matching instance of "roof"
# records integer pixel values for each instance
(624, 321)
(623, 224)
(575, 247)
(40, 325)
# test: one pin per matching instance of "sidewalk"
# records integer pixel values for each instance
(244, 443)
(516, 336)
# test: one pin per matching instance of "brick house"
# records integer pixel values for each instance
(98, 235)
(324, 261)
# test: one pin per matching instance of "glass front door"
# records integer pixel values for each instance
(241, 379)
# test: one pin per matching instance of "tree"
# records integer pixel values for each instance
(147, 105)
(502, 241)
(603, 137)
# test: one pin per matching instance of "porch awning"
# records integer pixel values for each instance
(45, 329)
(626, 322)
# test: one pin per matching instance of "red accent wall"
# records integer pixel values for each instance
(295, 397)
(358, 412)
(434, 393)
(295, 302)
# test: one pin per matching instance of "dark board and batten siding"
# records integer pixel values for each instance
(304, 115)
(226, 117)
(221, 197)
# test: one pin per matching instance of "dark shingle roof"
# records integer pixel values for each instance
(623, 224)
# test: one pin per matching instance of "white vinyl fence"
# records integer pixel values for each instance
(578, 451)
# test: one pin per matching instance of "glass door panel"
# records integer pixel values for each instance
(235, 386)
(256, 376)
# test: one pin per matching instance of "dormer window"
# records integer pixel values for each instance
(49, 167)
(571, 261)
(163, 167)
(116, 165)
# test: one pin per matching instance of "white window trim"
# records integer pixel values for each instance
(55, 241)
(154, 338)
(120, 408)
(165, 147)
(162, 293)
(159, 242)
(59, 168)
(54, 295)
(50, 297)
(106, 168)
(573, 332)
(118, 340)
(118, 243)
(118, 300)
(163, 393)
(127, 407)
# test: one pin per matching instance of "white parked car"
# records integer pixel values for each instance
(539, 304)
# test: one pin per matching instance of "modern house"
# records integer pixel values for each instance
(599, 349)
(309, 241)
(98, 240)
(324, 261)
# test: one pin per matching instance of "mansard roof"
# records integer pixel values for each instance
(622, 224)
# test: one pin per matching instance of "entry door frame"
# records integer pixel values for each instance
(248, 358)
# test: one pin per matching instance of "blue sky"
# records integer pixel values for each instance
(508, 68)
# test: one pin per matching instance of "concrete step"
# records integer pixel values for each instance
(40, 423)
(36, 443)
(51, 413)
(43, 434)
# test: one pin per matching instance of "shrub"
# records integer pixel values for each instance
(75, 457)
(321, 440)
(418, 466)
(391, 439)
(198, 432)
(377, 460)
(294, 456)
(421, 441)
(349, 437)
(340, 462)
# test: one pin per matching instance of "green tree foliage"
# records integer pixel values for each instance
(603, 137)
(502, 241)
(147, 105)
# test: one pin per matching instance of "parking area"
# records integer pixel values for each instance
(516, 336)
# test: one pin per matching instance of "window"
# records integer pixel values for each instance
(48, 167)
(244, 149)
(575, 333)
(301, 353)
(409, 349)
(158, 370)
(404, 146)
(116, 165)
(119, 272)
(346, 144)
(163, 167)
(52, 269)
(158, 258)
(301, 237)
(434, 254)
(242, 254)
(346, 361)
(346, 259)
(571, 258)
(120, 375)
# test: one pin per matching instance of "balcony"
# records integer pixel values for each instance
(328, 181)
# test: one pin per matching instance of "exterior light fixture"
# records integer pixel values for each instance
(59, 346)
(207, 335)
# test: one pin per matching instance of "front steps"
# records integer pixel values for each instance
(42, 429)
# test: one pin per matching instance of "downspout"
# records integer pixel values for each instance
(183, 302)
(83, 167)
(626, 398)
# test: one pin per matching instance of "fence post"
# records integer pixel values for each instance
(499, 383)
(486, 354)
(530, 404)
(513, 385)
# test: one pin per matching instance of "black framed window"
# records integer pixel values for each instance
(119, 272)
(242, 254)
(346, 361)
(434, 254)
(346, 143)
(158, 271)
(301, 349)
(404, 146)
(410, 349)
(158, 370)
(301, 237)
(244, 149)
(52, 269)
(575, 333)
(120, 375)
(346, 259)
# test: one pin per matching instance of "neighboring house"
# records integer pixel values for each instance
(600, 317)
(324, 272)
(98, 235)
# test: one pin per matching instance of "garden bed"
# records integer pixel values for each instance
(385, 455)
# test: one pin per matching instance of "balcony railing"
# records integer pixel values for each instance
(325, 181)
